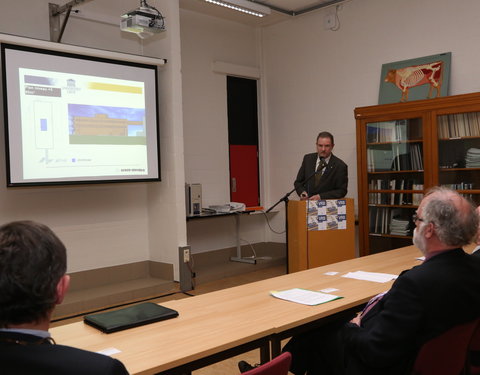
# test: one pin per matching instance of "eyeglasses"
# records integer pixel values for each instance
(416, 218)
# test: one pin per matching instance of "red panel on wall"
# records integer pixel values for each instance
(244, 175)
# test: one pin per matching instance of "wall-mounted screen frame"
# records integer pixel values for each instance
(76, 119)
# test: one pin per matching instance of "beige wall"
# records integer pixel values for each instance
(112, 224)
(311, 79)
(207, 41)
(316, 77)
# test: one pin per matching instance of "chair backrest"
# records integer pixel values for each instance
(446, 353)
(474, 352)
(277, 366)
(475, 340)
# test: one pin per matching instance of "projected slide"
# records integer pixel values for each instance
(80, 125)
(75, 118)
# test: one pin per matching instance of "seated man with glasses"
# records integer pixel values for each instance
(424, 302)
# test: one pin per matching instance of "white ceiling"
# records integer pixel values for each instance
(286, 9)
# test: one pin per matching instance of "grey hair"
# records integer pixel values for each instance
(455, 219)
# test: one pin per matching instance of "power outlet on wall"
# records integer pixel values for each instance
(186, 255)
(186, 274)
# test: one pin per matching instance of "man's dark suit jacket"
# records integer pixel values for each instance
(423, 302)
(333, 183)
(22, 354)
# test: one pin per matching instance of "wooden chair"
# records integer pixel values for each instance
(447, 353)
(277, 366)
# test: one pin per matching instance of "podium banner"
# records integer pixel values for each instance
(327, 214)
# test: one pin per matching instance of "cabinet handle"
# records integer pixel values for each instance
(234, 185)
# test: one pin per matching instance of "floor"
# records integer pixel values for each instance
(228, 366)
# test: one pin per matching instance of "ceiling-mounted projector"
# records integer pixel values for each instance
(143, 21)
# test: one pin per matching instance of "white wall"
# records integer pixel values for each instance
(206, 40)
(315, 78)
(311, 80)
(112, 224)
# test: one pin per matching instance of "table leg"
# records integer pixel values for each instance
(275, 342)
(265, 353)
(239, 257)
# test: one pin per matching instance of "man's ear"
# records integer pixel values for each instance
(429, 230)
(62, 288)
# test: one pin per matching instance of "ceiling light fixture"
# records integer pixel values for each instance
(244, 6)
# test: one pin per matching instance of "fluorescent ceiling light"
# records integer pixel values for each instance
(243, 6)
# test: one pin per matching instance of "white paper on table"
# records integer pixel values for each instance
(304, 296)
(371, 276)
(331, 273)
(329, 290)
(109, 351)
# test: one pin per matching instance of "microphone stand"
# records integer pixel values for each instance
(285, 199)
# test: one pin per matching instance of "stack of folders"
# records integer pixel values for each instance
(472, 159)
(399, 227)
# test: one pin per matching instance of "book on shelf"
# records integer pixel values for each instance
(400, 196)
(417, 197)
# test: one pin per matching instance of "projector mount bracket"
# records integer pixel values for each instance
(54, 12)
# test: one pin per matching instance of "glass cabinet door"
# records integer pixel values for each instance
(395, 170)
(459, 153)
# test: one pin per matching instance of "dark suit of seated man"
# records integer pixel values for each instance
(331, 181)
(476, 251)
(422, 303)
(33, 263)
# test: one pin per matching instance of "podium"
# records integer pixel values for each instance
(314, 248)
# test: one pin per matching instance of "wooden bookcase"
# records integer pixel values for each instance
(402, 150)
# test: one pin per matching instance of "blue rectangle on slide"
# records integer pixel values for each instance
(43, 125)
(39, 80)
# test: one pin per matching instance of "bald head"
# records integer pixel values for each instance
(453, 218)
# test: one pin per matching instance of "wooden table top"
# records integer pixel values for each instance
(216, 321)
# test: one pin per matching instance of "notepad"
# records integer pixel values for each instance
(304, 296)
(129, 317)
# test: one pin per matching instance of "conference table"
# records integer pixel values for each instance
(217, 325)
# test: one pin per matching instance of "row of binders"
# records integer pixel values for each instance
(399, 198)
(460, 186)
(399, 157)
(395, 199)
(388, 131)
(459, 125)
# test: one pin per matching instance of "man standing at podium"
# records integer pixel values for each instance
(322, 175)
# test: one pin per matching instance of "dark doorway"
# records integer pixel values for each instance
(243, 140)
